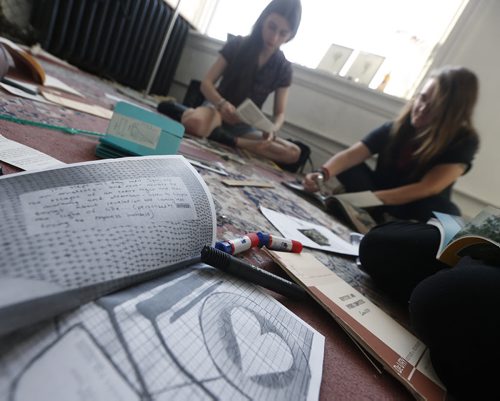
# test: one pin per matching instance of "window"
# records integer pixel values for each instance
(389, 43)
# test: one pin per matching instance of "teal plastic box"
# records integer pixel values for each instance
(134, 131)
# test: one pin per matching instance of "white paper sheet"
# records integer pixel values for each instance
(194, 335)
(96, 227)
(52, 82)
(18, 92)
(24, 157)
(309, 234)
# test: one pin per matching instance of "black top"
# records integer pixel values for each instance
(398, 168)
(275, 73)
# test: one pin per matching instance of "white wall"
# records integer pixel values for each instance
(475, 45)
(330, 112)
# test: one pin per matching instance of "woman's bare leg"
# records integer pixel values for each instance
(278, 150)
(201, 121)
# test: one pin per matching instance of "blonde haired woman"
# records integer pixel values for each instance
(420, 155)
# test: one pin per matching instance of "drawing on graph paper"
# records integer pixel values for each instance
(192, 336)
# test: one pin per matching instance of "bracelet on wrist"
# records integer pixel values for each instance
(324, 172)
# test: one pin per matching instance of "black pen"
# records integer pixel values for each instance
(239, 268)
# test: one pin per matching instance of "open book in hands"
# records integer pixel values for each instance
(479, 238)
(250, 114)
(349, 208)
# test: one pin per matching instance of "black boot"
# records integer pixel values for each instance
(172, 109)
(219, 134)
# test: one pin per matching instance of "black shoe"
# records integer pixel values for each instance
(172, 109)
(220, 135)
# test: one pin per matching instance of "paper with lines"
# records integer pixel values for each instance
(194, 334)
(75, 233)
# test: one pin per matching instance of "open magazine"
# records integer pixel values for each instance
(249, 113)
(479, 238)
(400, 352)
(116, 233)
(347, 207)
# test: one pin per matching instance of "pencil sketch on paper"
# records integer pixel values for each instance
(193, 335)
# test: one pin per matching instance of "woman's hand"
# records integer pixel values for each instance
(268, 136)
(310, 181)
(228, 113)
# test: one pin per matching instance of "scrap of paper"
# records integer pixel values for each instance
(24, 157)
(247, 183)
(73, 104)
(21, 93)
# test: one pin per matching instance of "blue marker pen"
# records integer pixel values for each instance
(238, 245)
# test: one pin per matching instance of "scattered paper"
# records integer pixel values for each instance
(310, 235)
(215, 169)
(73, 104)
(117, 99)
(24, 157)
(52, 82)
(21, 93)
(247, 183)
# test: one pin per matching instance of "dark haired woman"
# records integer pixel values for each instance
(420, 155)
(250, 67)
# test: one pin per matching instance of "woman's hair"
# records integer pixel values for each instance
(452, 106)
(291, 10)
(241, 72)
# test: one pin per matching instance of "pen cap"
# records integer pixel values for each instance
(284, 244)
(263, 238)
(224, 246)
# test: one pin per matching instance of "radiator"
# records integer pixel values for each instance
(116, 39)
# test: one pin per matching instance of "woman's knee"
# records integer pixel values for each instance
(198, 122)
(398, 255)
(455, 313)
(279, 150)
(291, 154)
(193, 125)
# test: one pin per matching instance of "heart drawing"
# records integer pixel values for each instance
(261, 353)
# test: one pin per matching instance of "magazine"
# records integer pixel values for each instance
(349, 208)
(104, 242)
(400, 352)
(479, 238)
